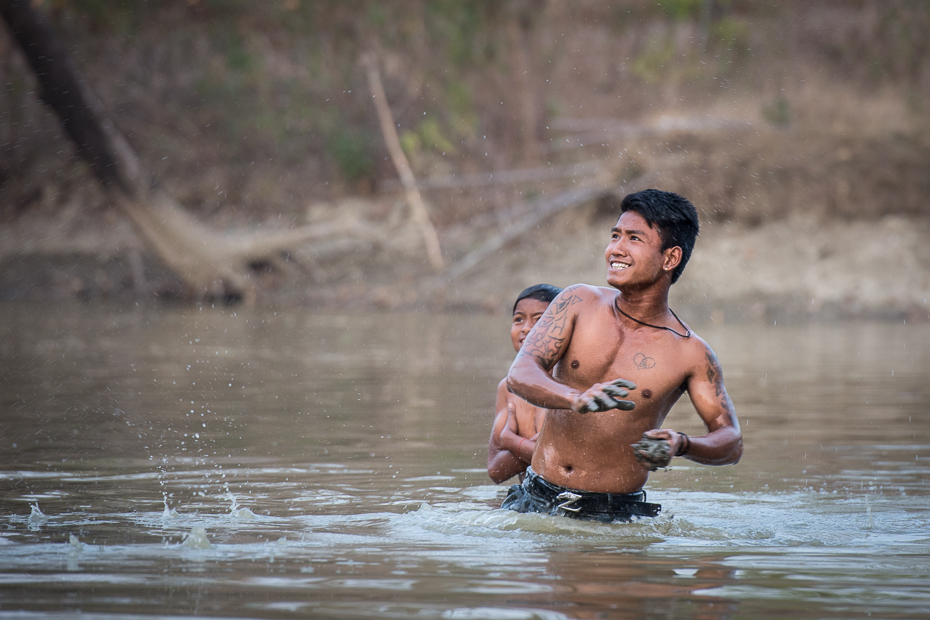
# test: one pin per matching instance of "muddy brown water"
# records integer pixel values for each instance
(291, 464)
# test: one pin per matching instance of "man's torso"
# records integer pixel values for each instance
(592, 451)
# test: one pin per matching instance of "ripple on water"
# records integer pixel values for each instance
(475, 520)
(501, 613)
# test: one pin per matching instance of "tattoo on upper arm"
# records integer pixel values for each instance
(547, 336)
(715, 376)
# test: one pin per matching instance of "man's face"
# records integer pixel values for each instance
(525, 316)
(634, 254)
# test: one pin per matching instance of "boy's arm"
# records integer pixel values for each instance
(723, 443)
(513, 441)
(530, 374)
(502, 464)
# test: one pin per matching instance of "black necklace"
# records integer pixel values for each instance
(669, 329)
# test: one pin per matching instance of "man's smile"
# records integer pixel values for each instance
(618, 266)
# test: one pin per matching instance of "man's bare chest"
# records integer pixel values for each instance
(656, 362)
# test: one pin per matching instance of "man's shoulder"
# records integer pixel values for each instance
(587, 289)
(697, 349)
(577, 293)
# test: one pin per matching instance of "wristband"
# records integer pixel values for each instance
(684, 446)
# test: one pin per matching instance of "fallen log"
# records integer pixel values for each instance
(500, 177)
(598, 131)
(209, 263)
(539, 212)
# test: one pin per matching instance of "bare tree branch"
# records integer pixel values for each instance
(541, 211)
(501, 177)
(64, 89)
(417, 208)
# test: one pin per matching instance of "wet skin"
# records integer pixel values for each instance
(583, 358)
(516, 422)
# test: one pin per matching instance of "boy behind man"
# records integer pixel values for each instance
(516, 422)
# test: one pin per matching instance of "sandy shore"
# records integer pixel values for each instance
(794, 269)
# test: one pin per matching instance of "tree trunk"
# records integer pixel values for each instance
(208, 263)
(519, 42)
(64, 89)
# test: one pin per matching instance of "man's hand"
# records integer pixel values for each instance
(675, 439)
(657, 447)
(605, 396)
(653, 452)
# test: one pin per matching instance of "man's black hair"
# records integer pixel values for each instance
(672, 215)
(540, 292)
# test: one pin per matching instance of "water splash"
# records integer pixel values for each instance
(197, 539)
(169, 513)
(36, 515)
(37, 518)
(76, 545)
(235, 511)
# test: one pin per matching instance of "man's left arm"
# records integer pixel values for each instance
(723, 443)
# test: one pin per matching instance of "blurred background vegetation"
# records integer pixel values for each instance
(259, 114)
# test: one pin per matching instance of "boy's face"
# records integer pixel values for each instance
(525, 316)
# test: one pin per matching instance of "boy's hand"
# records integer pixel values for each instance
(511, 417)
(605, 396)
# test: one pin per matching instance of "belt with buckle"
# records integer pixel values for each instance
(578, 501)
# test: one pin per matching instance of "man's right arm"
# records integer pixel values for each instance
(530, 375)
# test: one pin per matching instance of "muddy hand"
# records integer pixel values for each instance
(606, 396)
(653, 452)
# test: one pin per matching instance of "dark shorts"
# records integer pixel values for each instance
(536, 494)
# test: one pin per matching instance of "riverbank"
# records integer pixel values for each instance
(796, 269)
(800, 133)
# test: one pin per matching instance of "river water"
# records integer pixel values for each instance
(236, 463)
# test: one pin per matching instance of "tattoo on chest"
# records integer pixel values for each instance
(643, 362)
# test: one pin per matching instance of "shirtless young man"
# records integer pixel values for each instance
(608, 364)
(516, 422)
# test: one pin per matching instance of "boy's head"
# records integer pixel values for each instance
(530, 305)
(672, 215)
